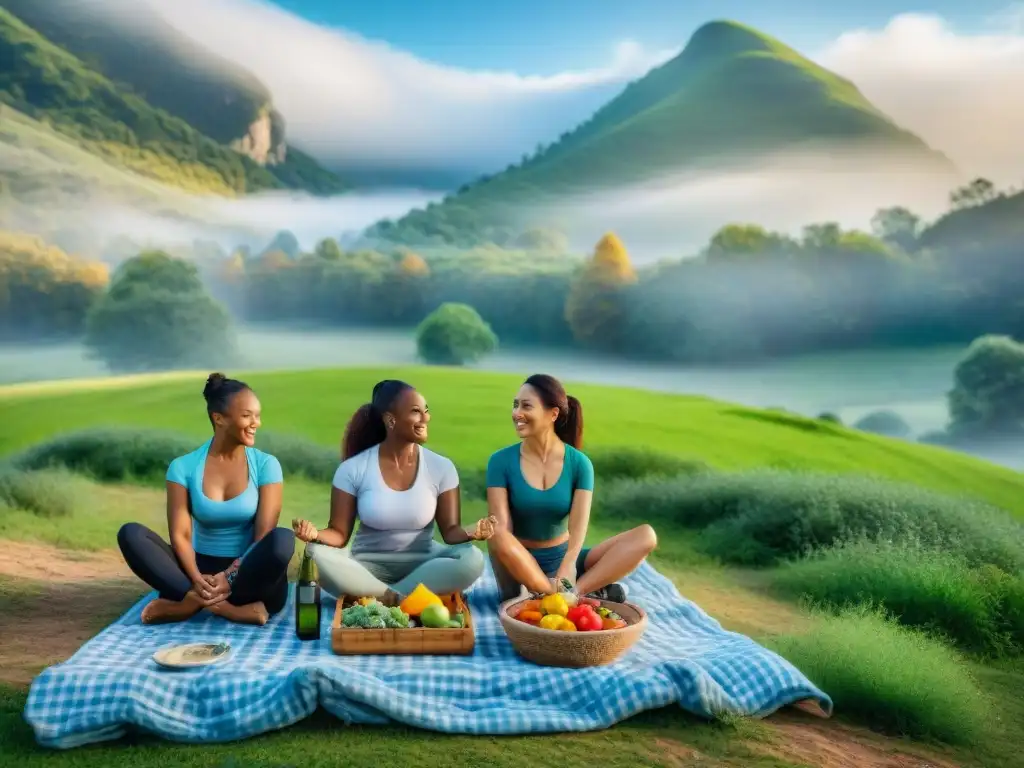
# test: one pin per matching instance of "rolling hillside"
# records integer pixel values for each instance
(133, 101)
(732, 95)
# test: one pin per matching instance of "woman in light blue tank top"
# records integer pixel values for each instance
(226, 553)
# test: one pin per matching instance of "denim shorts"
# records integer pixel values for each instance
(548, 558)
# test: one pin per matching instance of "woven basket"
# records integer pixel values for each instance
(555, 648)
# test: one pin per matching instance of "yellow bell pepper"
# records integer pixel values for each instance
(554, 605)
(567, 626)
(551, 621)
(419, 599)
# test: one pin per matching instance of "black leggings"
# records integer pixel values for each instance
(262, 576)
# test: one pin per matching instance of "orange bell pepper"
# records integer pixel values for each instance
(531, 617)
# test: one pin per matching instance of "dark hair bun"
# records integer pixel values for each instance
(213, 382)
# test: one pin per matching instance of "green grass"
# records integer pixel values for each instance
(472, 417)
(894, 678)
(877, 672)
(981, 610)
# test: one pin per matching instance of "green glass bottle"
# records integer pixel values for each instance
(307, 600)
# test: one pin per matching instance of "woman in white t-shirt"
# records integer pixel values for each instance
(399, 490)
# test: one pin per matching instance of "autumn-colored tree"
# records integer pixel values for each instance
(413, 265)
(43, 290)
(594, 307)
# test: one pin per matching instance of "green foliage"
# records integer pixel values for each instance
(762, 516)
(167, 113)
(988, 390)
(142, 454)
(981, 610)
(893, 678)
(157, 315)
(888, 423)
(454, 334)
(45, 493)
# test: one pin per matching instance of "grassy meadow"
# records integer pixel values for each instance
(889, 572)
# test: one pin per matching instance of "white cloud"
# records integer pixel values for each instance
(363, 102)
(958, 91)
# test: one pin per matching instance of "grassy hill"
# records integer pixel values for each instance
(880, 675)
(723, 435)
(110, 119)
(732, 95)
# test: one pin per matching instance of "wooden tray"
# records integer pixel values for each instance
(348, 641)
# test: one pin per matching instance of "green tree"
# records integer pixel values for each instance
(988, 388)
(897, 226)
(978, 192)
(157, 315)
(595, 306)
(735, 241)
(328, 250)
(454, 334)
(888, 423)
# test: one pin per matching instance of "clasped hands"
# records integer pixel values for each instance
(214, 588)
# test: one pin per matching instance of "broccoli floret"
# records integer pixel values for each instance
(375, 622)
(396, 618)
(354, 616)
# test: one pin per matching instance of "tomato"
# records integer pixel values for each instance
(588, 622)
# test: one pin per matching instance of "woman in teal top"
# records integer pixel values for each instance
(226, 553)
(540, 491)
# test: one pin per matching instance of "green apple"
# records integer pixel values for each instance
(435, 616)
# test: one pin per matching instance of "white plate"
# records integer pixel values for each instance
(192, 655)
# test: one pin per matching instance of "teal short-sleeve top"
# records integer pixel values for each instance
(223, 528)
(536, 514)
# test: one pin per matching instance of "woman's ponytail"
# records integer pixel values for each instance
(366, 427)
(570, 427)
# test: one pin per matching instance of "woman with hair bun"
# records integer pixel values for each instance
(399, 490)
(540, 490)
(226, 553)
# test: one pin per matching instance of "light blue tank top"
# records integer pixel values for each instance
(223, 528)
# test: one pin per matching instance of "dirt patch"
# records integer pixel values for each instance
(835, 745)
(53, 601)
(43, 562)
(674, 754)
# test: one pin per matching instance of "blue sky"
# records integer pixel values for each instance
(545, 36)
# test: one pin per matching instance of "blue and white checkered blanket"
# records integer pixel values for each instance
(112, 685)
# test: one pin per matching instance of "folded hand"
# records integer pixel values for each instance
(482, 529)
(305, 530)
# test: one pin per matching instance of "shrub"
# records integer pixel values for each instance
(761, 516)
(157, 314)
(48, 493)
(110, 454)
(888, 423)
(830, 417)
(454, 334)
(114, 454)
(934, 591)
(893, 678)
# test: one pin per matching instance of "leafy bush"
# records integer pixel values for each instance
(114, 454)
(988, 389)
(628, 462)
(49, 493)
(888, 423)
(830, 417)
(761, 516)
(979, 610)
(454, 334)
(894, 679)
(157, 314)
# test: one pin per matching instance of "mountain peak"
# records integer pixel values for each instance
(724, 38)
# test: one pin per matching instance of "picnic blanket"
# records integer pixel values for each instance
(112, 686)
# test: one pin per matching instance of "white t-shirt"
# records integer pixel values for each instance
(389, 520)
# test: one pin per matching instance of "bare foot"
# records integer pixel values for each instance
(253, 613)
(162, 611)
